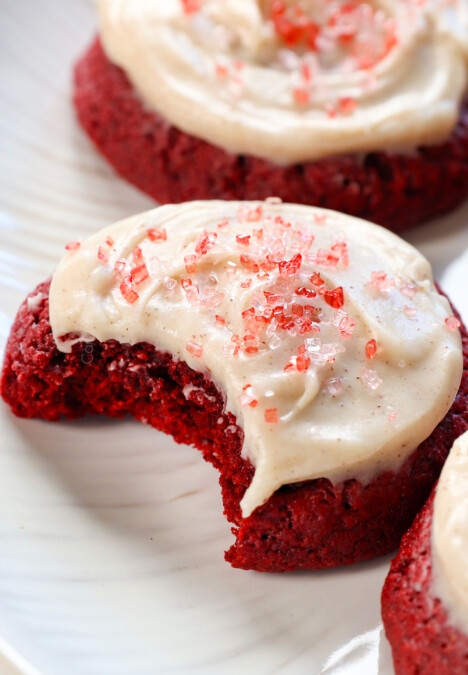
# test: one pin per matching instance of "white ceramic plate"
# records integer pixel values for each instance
(111, 536)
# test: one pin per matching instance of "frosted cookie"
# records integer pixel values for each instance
(307, 354)
(357, 107)
(425, 597)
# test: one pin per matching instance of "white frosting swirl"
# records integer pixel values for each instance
(346, 406)
(389, 74)
(450, 535)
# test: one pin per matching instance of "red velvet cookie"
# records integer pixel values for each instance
(392, 189)
(307, 525)
(416, 622)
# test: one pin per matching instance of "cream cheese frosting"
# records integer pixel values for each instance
(325, 333)
(450, 534)
(301, 83)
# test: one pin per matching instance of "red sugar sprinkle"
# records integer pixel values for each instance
(185, 283)
(347, 105)
(204, 242)
(243, 239)
(127, 291)
(271, 416)
(306, 72)
(72, 245)
(344, 323)
(190, 263)
(103, 255)
(246, 284)
(306, 326)
(220, 320)
(191, 6)
(330, 110)
(268, 265)
(193, 294)
(342, 248)
(289, 268)
(137, 255)
(334, 298)
(452, 323)
(409, 290)
(248, 313)
(302, 363)
(371, 349)
(316, 279)
(301, 95)
(221, 71)
(297, 310)
(380, 282)
(109, 241)
(307, 292)
(139, 274)
(254, 215)
(234, 347)
(194, 348)
(131, 297)
(248, 397)
(410, 311)
(263, 276)
(224, 223)
(157, 234)
(320, 218)
(272, 299)
(258, 233)
(119, 266)
(325, 258)
(294, 28)
(249, 263)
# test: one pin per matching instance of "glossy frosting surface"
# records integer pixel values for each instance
(319, 328)
(307, 81)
